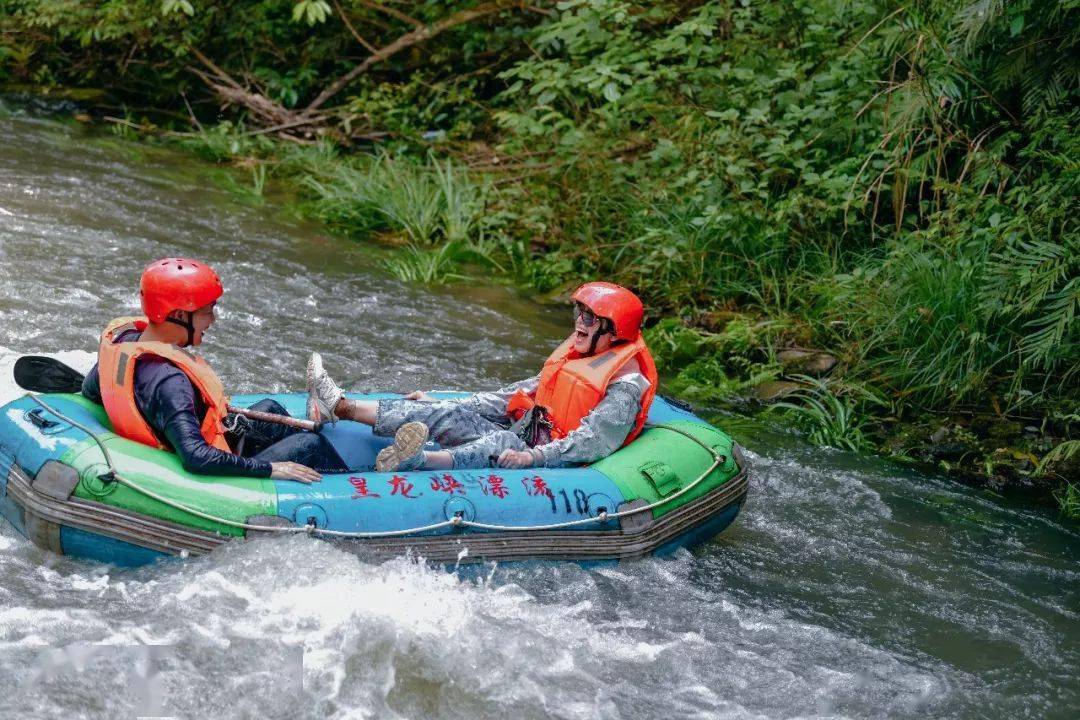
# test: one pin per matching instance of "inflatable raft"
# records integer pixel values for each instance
(72, 486)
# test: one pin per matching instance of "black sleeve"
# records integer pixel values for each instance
(91, 385)
(170, 410)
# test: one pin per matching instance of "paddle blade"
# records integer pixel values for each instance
(47, 375)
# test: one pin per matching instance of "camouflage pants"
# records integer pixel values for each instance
(472, 440)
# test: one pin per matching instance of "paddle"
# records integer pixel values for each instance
(37, 373)
(47, 375)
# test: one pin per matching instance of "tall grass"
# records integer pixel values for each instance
(435, 207)
(1068, 499)
(430, 202)
(431, 265)
(829, 418)
(922, 328)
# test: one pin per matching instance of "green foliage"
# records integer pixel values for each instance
(311, 11)
(168, 7)
(1068, 499)
(713, 367)
(1064, 451)
(286, 50)
(430, 202)
(427, 265)
(827, 417)
(673, 344)
(223, 142)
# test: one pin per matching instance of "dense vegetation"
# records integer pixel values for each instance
(890, 186)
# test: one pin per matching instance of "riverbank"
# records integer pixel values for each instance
(737, 359)
(828, 219)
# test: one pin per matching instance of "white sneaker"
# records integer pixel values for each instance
(407, 452)
(323, 392)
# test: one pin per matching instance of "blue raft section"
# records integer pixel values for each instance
(429, 497)
(362, 499)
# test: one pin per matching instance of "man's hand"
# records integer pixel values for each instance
(294, 471)
(516, 459)
(420, 395)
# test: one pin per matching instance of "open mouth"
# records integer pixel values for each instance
(581, 335)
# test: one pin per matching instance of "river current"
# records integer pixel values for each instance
(848, 587)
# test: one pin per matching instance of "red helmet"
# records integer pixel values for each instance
(177, 284)
(616, 303)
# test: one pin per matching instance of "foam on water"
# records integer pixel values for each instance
(847, 588)
(399, 639)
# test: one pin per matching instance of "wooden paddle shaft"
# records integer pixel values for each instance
(279, 419)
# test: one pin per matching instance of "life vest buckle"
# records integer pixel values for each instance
(534, 427)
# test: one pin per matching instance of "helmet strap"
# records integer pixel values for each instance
(605, 326)
(187, 324)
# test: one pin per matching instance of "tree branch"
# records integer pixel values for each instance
(232, 92)
(392, 12)
(419, 35)
(345, 18)
(210, 65)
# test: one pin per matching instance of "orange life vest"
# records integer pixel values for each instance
(572, 385)
(116, 373)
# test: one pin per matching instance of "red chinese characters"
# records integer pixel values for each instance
(360, 488)
(536, 486)
(494, 485)
(400, 485)
(447, 484)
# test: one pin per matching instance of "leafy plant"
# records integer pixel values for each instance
(258, 179)
(428, 202)
(311, 11)
(169, 7)
(426, 265)
(1068, 499)
(1061, 452)
(826, 417)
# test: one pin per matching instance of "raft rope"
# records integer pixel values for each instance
(456, 521)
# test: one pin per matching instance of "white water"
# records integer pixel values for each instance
(847, 588)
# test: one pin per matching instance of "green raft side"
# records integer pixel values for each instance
(661, 462)
(87, 404)
(160, 472)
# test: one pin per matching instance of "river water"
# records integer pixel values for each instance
(847, 587)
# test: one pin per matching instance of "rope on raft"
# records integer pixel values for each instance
(456, 521)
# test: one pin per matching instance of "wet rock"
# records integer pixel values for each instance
(940, 434)
(773, 390)
(806, 362)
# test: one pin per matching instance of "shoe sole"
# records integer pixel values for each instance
(313, 411)
(408, 440)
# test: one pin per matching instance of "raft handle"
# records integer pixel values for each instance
(35, 417)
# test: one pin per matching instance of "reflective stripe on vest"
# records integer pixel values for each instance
(571, 386)
(116, 373)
